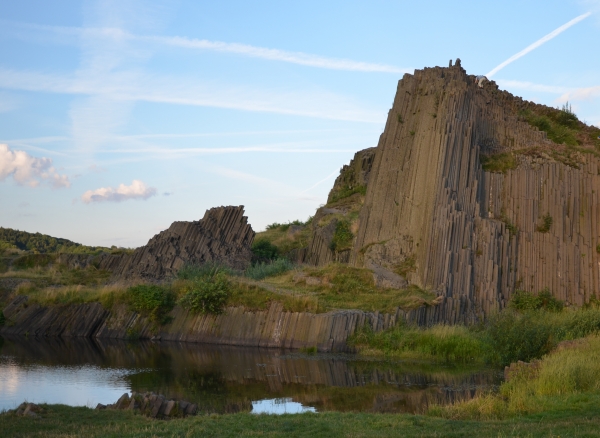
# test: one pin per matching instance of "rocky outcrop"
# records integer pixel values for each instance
(222, 236)
(434, 216)
(152, 405)
(344, 201)
(273, 328)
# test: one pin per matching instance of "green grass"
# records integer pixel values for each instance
(342, 237)
(338, 286)
(567, 378)
(268, 269)
(498, 163)
(504, 338)
(581, 418)
(283, 241)
(345, 192)
(455, 344)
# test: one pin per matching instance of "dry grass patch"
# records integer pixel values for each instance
(338, 286)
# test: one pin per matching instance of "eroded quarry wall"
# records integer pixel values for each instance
(469, 235)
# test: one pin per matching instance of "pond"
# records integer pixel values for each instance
(225, 379)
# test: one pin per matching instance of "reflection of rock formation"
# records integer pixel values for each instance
(228, 379)
(223, 236)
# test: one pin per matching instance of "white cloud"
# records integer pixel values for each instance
(580, 94)
(28, 170)
(114, 88)
(137, 190)
(538, 43)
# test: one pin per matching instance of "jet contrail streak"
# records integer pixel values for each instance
(538, 43)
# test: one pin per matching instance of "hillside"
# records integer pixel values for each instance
(42, 243)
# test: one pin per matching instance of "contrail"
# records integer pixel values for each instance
(322, 181)
(538, 43)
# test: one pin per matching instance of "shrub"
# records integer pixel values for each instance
(151, 300)
(263, 251)
(33, 260)
(498, 163)
(268, 269)
(2, 318)
(547, 221)
(207, 294)
(205, 270)
(525, 301)
(515, 337)
(342, 237)
(346, 192)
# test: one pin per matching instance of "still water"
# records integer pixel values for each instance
(224, 379)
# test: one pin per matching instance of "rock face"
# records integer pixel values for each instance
(345, 198)
(272, 328)
(222, 236)
(470, 235)
(434, 217)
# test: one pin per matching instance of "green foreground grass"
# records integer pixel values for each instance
(582, 419)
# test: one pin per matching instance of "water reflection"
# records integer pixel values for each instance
(280, 406)
(224, 379)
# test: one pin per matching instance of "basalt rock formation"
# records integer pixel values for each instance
(222, 236)
(437, 217)
(272, 328)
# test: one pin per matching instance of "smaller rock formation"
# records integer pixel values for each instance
(152, 405)
(28, 410)
(222, 236)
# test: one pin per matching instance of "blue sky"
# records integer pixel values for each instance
(119, 117)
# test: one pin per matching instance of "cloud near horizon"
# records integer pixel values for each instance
(29, 171)
(137, 190)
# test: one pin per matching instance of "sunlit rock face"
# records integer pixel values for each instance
(433, 214)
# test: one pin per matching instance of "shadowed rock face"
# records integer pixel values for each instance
(223, 236)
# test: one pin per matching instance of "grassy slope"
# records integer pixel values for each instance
(63, 421)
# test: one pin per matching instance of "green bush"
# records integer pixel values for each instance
(205, 270)
(547, 221)
(525, 301)
(152, 301)
(498, 163)
(207, 295)
(32, 261)
(342, 237)
(515, 337)
(263, 251)
(262, 270)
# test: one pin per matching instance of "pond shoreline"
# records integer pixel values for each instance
(272, 328)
